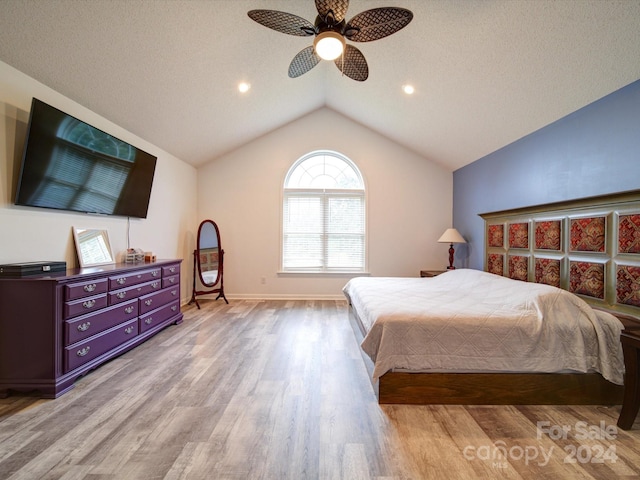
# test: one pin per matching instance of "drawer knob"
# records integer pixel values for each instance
(88, 303)
(121, 281)
(174, 292)
(174, 308)
(172, 280)
(148, 320)
(129, 309)
(154, 273)
(82, 352)
(83, 327)
(148, 302)
(128, 330)
(155, 284)
(90, 288)
(121, 294)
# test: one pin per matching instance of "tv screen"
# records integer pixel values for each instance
(70, 165)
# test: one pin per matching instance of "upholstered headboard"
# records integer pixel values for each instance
(590, 247)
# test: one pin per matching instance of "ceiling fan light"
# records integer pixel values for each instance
(329, 45)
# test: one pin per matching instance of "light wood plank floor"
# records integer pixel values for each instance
(278, 390)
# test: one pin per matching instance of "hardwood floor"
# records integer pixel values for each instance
(278, 390)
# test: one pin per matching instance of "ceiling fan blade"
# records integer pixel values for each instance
(354, 65)
(377, 23)
(283, 22)
(338, 7)
(304, 61)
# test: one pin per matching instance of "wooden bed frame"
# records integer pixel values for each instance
(535, 388)
(491, 388)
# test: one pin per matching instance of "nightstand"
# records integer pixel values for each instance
(631, 401)
(431, 273)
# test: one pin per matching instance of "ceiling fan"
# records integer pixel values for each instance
(331, 30)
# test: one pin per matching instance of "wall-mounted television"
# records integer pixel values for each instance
(68, 164)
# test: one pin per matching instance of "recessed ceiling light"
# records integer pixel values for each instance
(243, 87)
(408, 89)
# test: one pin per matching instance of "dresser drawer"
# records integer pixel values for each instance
(84, 305)
(87, 325)
(125, 294)
(159, 315)
(82, 352)
(170, 270)
(74, 291)
(170, 281)
(121, 281)
(158, 299)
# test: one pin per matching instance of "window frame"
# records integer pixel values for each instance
(325, 194)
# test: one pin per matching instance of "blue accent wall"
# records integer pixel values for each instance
(593, 151)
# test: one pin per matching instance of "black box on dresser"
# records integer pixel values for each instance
(27, 269)
(56, 328)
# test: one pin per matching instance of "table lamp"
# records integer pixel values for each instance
(451, 236)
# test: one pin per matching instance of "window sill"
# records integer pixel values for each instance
(312, 273)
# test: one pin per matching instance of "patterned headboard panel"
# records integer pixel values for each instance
(590, 247)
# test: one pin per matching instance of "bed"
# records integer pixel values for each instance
(541, 324)
(467, 322)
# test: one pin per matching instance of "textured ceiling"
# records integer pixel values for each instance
(486, 72)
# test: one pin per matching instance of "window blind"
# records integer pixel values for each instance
(323, 231)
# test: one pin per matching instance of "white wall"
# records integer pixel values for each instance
(409, 205)
(33, 234)
(409, 201)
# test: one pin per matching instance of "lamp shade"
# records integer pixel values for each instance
(451, 235)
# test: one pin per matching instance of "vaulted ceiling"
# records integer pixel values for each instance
(485, 72)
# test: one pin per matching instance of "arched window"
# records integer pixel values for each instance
(323, 215)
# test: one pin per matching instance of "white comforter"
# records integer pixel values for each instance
(468, 320)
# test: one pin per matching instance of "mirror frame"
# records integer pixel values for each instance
(198, 267)
(93, 247)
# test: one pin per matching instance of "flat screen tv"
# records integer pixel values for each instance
(69, 165)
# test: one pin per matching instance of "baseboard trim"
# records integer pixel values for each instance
(282, 296)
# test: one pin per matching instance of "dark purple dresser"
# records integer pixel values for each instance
(56, 328)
